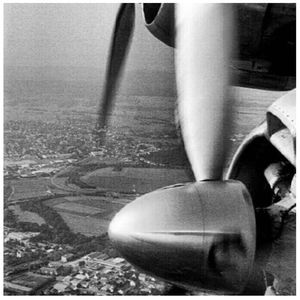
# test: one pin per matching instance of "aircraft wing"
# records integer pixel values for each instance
(265, 35)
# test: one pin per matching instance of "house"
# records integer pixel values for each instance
(55, 264)
(80, 276)
(42, 245)
(67, 279)
(19, 253)
(75, 282)
(97, 256)
(52, 271)
(60, 287)
(118, 260)
(84, 284)
(93, 265)
(67, 257)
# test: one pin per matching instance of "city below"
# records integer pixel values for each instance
(60, 193)
(61, 189)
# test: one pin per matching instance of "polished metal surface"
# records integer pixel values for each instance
(199, 235)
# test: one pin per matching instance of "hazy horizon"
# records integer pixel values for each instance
(70, 42)
(75, 35)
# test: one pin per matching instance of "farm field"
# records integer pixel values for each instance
(84, 214)
(85, 225)
(135, 180)
(26, 216)
(29, 188)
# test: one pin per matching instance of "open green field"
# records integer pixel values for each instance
(29, 188)
(85, 214)
(135, 180)
(26, 216)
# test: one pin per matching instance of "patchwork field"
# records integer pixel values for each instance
(26, 216)
(84, 224)
(29, 188)
(135, 180)
(84, 214)
(78, 209)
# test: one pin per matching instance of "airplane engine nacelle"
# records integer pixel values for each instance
(206, 235)
(272, 141)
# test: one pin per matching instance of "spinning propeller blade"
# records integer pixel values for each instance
(122, 35)
(199, 235)
(204, 44)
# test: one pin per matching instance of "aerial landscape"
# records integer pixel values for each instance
(62, 186)
(61, 191)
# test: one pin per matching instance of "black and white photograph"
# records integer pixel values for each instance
(149, 149)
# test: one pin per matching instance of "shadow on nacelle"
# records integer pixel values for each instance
(266, 38)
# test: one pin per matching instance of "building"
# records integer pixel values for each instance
(75, 283)
(60, 287)
(67, 279)
(55, 264)
(52, 271)
(81, 276)
(67, 257)
(13, 235)
(94, 265)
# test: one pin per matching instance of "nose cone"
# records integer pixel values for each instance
(190, 235)
(157, 212)
(150, 231)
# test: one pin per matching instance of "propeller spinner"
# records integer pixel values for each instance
(190, 236)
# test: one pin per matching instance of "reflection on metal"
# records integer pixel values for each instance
(190, 236)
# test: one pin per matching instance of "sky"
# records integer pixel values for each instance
(77, 35)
